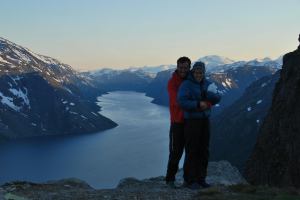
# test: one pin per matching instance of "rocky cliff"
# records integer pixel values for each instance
(276, 157)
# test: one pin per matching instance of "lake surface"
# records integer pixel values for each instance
(138, 147)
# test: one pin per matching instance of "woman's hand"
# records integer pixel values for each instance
(203, 105)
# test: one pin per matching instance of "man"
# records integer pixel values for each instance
(176, 145)
(196, 96)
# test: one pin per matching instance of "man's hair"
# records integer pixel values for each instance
(183, 60)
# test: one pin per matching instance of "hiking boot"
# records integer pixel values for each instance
(184, 184)
(171, 184)
(194, 186)
(204, 184)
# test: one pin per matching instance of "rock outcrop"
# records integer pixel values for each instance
(221, 174)
(276, 158)
(228, 185)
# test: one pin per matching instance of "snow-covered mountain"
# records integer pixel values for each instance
(212, 62)
(153, 70)
(230, 77)
(126, 79)
(230, 83)
(40, 95)
(216, 63)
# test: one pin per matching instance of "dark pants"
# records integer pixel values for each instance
(176, 148)
(196, 135)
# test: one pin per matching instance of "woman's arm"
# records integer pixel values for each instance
(185, 98)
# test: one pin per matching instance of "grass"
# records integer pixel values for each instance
(248, 192)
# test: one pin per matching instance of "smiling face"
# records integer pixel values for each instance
(198, 75)
(183, 69)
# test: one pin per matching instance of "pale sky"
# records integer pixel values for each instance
(90, 34)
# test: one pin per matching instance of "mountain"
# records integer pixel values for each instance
(230, 83)
(275, 159)
(234, 130)
(220, 64)
(153, 70)
(111, 80)
(213, 62)
(157, 89)
(230, 77)
(41, 96)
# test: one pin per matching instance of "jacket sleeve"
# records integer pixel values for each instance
(213, 98)
(172, 91)
(212, 94)
(185, 98)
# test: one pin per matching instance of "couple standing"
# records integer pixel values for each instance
(190, 101)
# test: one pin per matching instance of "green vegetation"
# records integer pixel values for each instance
(248, 192)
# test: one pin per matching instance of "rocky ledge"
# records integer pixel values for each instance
(227, 184)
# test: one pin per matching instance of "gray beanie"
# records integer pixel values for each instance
(199, 65)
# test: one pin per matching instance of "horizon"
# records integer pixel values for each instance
(99, 34)
(129, 67)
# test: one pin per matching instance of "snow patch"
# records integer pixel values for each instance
(212, 88)
(20, 94)
(4, 61)
(263, 85)
(68, 90)
(9, 102)
(22, 56)
(94, 113)
(84, 117)
(249, 109)
(259, 101)
(228, 82)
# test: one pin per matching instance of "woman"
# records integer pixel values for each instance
(196, 96)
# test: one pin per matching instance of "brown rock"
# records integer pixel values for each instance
(276, 157)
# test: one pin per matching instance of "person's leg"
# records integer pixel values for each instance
(192, 142)
(176, 147)
(204, 151)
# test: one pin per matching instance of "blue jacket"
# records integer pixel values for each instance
(191, 92)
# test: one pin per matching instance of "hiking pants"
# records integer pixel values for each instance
(196, 135)
(176, 147)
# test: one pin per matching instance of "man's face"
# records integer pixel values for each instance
(183, 69)
(198, 75)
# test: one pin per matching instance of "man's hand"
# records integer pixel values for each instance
(203, 105)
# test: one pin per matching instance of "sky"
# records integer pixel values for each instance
(93, 34)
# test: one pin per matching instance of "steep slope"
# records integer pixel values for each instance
(42, 96)
(276, 157)
(235, 129)
(158, 88)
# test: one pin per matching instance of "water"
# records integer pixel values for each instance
(138, 147)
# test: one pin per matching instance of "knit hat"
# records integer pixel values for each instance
(199, 65)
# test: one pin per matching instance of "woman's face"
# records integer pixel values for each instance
(198, 75)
